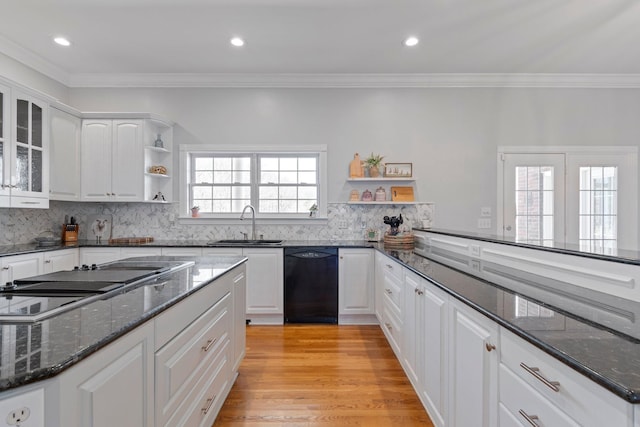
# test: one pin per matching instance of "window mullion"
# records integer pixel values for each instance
(255, 181)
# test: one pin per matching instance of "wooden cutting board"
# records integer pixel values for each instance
(402, 194)
(131, 240)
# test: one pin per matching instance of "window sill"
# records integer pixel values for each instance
(259, 221)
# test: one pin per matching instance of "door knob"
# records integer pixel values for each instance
(508, 228)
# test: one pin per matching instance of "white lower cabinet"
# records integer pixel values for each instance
(112, 387)
(139, 251)
(239, 297)
(96, 255)
(473, 364)
(265, 282)
(356, 293)
(535, 384)
(20, 266)
(425, 343)
(181, 251)
(175, 370)
(60, 260)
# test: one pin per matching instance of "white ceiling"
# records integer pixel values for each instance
(322, 37)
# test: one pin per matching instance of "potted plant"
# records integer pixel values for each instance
(195, 211)
(373, 163)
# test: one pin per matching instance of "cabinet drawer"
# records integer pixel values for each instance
(523, 401)
(392, 328)
(392, 267)
(180, 364)
(393, 289)
(201, 408)
(582, 399)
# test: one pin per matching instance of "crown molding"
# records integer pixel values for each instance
(33, 60)
(368, 80)
(310, 80)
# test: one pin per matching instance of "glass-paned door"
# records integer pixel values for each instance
(27, 170)
(602, 194)
(5, 154)
(533, 198)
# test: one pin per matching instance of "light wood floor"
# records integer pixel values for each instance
(321, 375)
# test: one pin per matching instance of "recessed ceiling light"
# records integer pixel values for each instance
(237, 42)
(62, 41)
(411, 41)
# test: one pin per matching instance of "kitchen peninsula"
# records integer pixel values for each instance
(162, 351)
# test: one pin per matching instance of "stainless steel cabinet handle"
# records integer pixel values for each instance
(419, 292)
(29, 203)
(531, 419)
(48, 261)
(388, 325)
(209, 403)
(208, 345)
(508, 227)
(489, 347)
(388, 291)
(389, 266)
(5, 268)
(553, 385)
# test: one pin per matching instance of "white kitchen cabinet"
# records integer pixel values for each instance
(25, 150)
(112, 154)
(99, 255)
(424, 347)
(538, 384)
(126, 252)
(473, 365)
(60, 260)
(112, 387)
(378, 278)
(239, 295)
(265, 285)
(21, 266)
(356, 294)
(265, 282)
(66, 131)
(182, 251)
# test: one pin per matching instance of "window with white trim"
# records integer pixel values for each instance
(278, 183)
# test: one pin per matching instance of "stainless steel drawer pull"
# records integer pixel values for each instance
(419, 292)
(209, 403)
(553, 385)
(489, 347)
(390, 267)
(388, 291)
(208, 345)
(531, 419)
(388, 325)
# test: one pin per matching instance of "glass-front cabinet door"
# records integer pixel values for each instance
(5, 152)
(29, 168)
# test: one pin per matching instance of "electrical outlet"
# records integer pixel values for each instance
(343, 224)
(484, 222)
(18, 416)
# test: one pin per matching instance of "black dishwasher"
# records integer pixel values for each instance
(311, 285)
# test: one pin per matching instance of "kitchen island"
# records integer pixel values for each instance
(164, 351)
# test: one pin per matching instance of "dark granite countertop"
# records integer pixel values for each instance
(25, 248)
(596, 334)
(620, 255)
(44, 349)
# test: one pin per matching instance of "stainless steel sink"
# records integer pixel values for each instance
(244, 242)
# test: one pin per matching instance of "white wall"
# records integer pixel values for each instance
(20, 73)
(450, 135)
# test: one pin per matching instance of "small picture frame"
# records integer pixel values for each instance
(99, 228)
(398, 170)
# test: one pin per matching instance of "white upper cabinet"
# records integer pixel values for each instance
(112, 158)
(64, 156)
(24, 155)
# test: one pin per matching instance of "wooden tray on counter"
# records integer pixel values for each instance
(130, 240)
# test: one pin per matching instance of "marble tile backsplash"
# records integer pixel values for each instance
(163, 222)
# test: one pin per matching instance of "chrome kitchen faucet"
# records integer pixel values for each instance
(253, 220)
